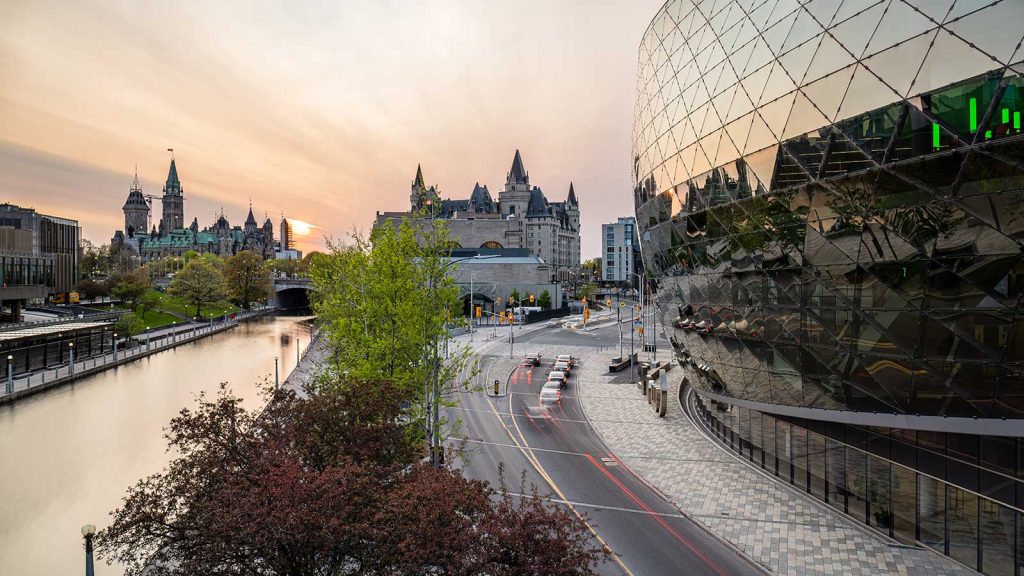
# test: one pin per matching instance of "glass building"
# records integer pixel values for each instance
(830, 195)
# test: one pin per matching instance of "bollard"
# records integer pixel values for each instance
(497, 387)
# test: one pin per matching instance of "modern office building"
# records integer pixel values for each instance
(621, 251)
(831, 197)
(40, 249)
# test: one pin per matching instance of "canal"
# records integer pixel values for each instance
(68, 455)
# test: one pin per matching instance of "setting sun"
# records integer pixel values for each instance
(299, 227)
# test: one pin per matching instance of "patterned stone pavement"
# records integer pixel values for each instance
(784, 531)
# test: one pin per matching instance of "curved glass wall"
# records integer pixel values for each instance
(831, 197)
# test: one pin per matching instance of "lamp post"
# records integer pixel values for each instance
(277, 383)
(71, 357)
(472, 306)
(433, 392)
(88, 531)
(148, 338)
(10, 374)
(115, 347)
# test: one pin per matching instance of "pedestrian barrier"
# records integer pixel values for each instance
(16, 387)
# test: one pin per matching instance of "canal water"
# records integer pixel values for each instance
(68, 455)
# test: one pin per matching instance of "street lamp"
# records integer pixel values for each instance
(433, 396)
(10, 374)
(115, 346)
(277, 383)
(88, 531)
(71, 357)
(148, 338)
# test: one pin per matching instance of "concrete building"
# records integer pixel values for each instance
(522, 217)
(38, 255)
(492, 279)
(621, 251)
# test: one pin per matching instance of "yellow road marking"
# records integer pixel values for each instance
(540, 470)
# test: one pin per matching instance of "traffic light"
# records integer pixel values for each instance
(479, 311)
(531, 298)
(497, 388)
(586, 313)
(510, 301)
(608, 302)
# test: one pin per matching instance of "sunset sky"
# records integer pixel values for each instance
(321, 110)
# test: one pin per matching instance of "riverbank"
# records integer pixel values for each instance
(155, 341)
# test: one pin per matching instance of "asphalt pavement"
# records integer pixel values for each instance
(555, 449)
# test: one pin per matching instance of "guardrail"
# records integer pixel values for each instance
(13, 388)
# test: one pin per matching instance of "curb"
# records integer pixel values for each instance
(669, 501)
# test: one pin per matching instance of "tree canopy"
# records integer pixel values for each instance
(199, 283)
(325, 484)
(131, 286)
(247, 277)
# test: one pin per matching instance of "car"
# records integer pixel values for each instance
(557, 376)
(532, 359)
(550, 396)
(567, 358)
(562, 367)
(552, 384)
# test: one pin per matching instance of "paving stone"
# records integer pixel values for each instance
(779, 528)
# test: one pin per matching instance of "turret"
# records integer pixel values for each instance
(136, 210)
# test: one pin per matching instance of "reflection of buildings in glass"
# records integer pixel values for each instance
(842, 268)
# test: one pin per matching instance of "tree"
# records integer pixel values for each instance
(149, 301)
(130, 287)
(199, 283)
(326, 485)
(544, 301)
(384, 302)
(90, 289)
(514, 295)
(247, 277)
(128, 324)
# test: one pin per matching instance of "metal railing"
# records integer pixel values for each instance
(144, 345)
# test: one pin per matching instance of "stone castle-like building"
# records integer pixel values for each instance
(173, 238)
(522, 217)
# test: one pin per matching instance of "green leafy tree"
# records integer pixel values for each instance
(149, 301)
(544, 301)
(190, 255)
(384, 302)
(128, 324)
(131, 286)
(248, 278)
(199, 283)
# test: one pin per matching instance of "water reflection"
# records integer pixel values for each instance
(67, 456)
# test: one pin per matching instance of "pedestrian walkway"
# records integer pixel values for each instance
(148, 343)
(782, 530)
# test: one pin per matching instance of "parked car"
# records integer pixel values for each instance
(532, 359)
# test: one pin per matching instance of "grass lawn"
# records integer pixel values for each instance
(175, 305)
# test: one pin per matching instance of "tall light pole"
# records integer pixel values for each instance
(277, 383)
(71, 359)
(115, 347)
(433, 392)
(88, 531)
(472, 306)
(10, 374)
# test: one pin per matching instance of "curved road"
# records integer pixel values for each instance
(555, 449)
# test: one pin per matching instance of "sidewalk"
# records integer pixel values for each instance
(782, 530)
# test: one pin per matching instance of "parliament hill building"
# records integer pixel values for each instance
(522, 217)
(172, 238)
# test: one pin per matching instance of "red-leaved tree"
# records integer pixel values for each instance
(328, 484)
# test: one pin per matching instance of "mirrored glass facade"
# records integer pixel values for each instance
(830, 194)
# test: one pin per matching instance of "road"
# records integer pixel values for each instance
(556, 450)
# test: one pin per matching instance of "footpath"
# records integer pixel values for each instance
(779, 528)
(151, 342)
